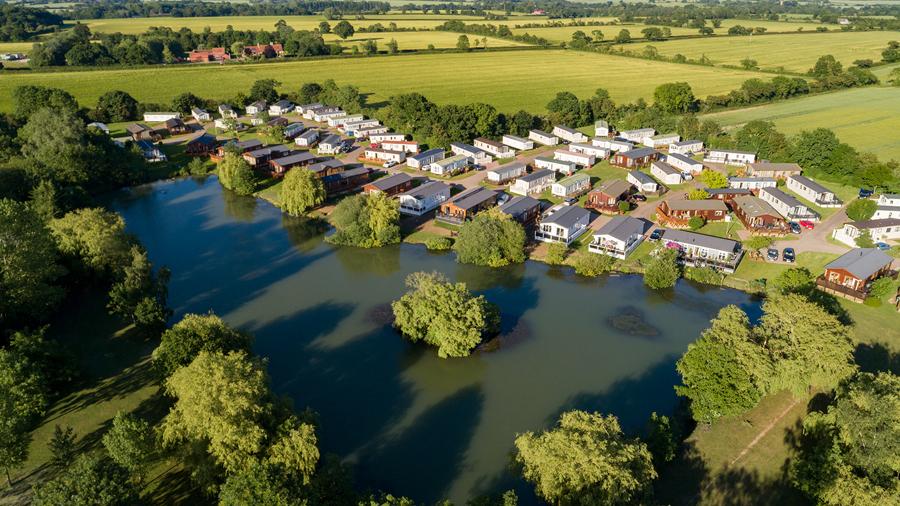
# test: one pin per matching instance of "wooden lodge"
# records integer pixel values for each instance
(466, 205)
(390, 185)
(607, 196)
(677, 213)
(851, 274)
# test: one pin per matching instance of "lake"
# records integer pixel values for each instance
(410, 422)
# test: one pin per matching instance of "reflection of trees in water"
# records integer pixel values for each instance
(381, 314)
(380, 261)
(238, 207)
(479, 278)
(516, 335)
(630, 320)
(305, 233)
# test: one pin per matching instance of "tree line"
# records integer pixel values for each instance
(133, 9)
(18, 23)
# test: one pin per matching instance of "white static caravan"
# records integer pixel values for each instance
(563, 167)
(542, 137)
(582, 159)
(569, 134)
(589, 149)
(425, 158)
(518, 142)
(613, 145)
(387, 136)
(686, 147)
(730, 157)
(159, 117)
(601, 128)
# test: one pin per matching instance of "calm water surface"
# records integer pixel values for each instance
(412, 423)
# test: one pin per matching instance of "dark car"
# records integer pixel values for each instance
(772, 254)
(639, 197)
(795, 227)
(657, 234)
(864, 193)
(788, 255)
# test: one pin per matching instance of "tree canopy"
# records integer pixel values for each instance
(301, 191)
(181, 344)
(366, 221)
(662, 271)
(491, 238)
(674, 98)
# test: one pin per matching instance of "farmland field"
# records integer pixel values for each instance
(796, 53)
(416, 40)
(509, 80)
(866, 118)
(15, 47)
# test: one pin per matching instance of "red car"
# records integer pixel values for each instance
(807, 224)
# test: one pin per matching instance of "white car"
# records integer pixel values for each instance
(390, 163)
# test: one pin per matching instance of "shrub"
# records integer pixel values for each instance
(439, 243)
(861, 209)
(593, 264)
(705, 275)
(493, 239)
(662, 271)
(556, 253)
(696, 222)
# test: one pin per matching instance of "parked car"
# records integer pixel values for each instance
(864, 193)
(502, 198)
(772, 254)
(657, 234)
(788, 255)
(390, 163)
(883, 246)
(807, 224)
(639, 197)
(795, 227)
(570, 200)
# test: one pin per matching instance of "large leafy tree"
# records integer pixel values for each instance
(674, 98)
(139, 294)
(443, 314)
(236, 174)
(264, 89)
(29, 99)
(92, 479)
(116, 106)
(301, 191)
(861, 209)
(662, 271)
(94, 237)
(586, 460)
(181, 344)
(762, 138)
(366, 221)
(343, 29)
(56, 142)
(491, 238)
(23, 397)
(130, 443)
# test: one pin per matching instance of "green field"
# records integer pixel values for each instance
(796, 52)
(416, 40)
(15, 47)
(508, 80)
(866, 118)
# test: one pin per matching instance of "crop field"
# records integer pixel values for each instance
(796, 52)
(509, 80)
(417, 40)
(15, 47)
(866, 118)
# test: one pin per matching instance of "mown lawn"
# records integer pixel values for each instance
(866, 118)
(508, 80)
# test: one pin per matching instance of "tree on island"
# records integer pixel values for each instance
(444, 314)
(301, 191)
(366, 221)
(492, 238)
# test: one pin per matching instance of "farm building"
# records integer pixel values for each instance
(775, 170)
(450, 166)
(259, 158)
(666, 173)
(640, 157)
(382, 155)
(200, 114)
(479, 155)
(326, 167)
(534, 183)
(699, 250)
(619, 236)
(203, 144)
(677, 213)
(255, 108)
(589, 149)
(281, 107)
(642, 182)
(523, 209)
(390, 185)
(280, 166)
(563, 167)
(851, 274)
(347, 180)
(518, 142)
(495, 148)
(729, 157)
(607, 196)
(613, 145)
(571, 186)
(787, 205)
(211, 55)
(569, 134)
(307, 139)
(563, 224)
(506, 172)
(813, 191)
(159, 117)
(751, 183)
(409, 147)
(423, 198)
(582, 159)
(387, 136)
(888, 206)
(885, 229)
(331, 144)
(686, 147)
(661, 141)
(425, 158)
(541, 137)
(601, 128)
(684, 163)
(758, 216)
(465, 205)
(226, 111)
(637, 135)
(263, 51)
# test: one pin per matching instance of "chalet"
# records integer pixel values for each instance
(386, 136)
(343, 119)
(601, 128)
(141, 132)
(280, 166)
(239, 146)
(293, 130)
(346, 180)
(203, 144)
(506, 172)
(686, 147)
(888, 206)
(666, 173)
(495, 148)
(542, 137)
(640, 157)
(774, 170)
(326, 167)
(607, 196)
(316, 111)
(699, 250)
(465, 205)
(260, 158)
(200, 114)
(563, 167)
(215, 54)
(523, 209)
(390, 185)
(150, 152)
(787, 205)
(562, 223)
(727, 194)
(175, 126)
(661, 141)
(534, 183)
(331, 144)
(410, 147)
(571, 186)
(226, 111)
(642, 182)
(281, 107)
(885, 229)
(425, 158)
(159, 117)
(582, 159)
(758, 216)
(255, 108)
(450, 166)
(677, 213)
(619, 236)
(477, 154)
(423, 198)
(729, 157)
(813, 191)
(376, 155)
(365, 132)
(851, 274)
(613, 145)
(589, 149)
(638, 134)
(307, 139)
(263, 51)
(752, 183)
(518, 142)
(569, 134)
